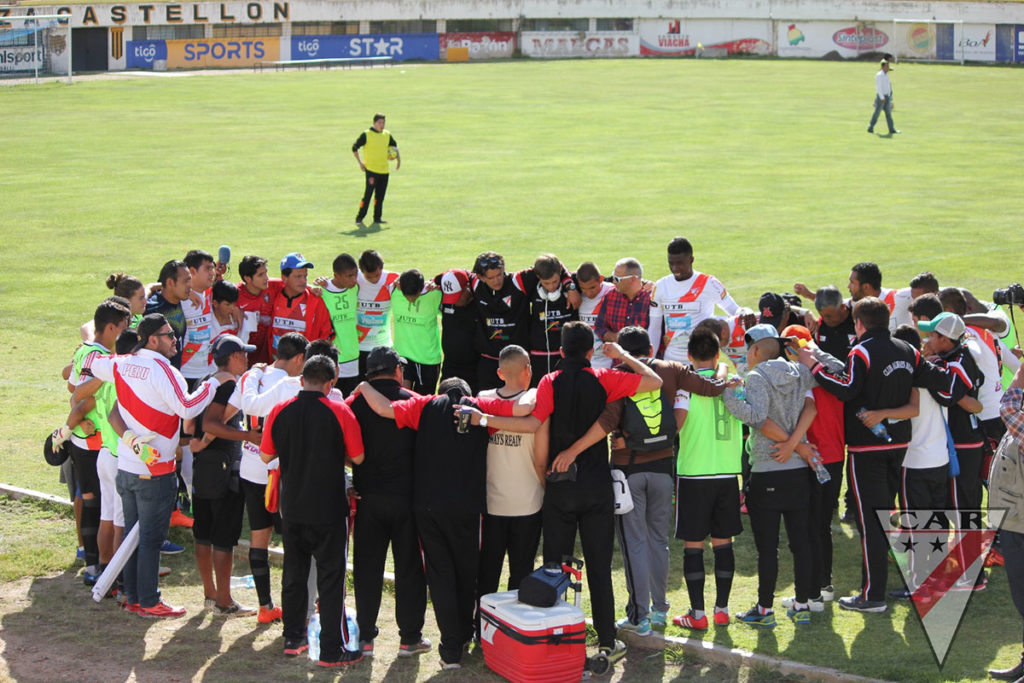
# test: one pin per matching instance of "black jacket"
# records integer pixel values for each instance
(963, 379)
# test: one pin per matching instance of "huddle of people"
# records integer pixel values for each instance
(481, 412)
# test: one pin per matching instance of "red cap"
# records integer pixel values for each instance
(798, 331)
(453, 282)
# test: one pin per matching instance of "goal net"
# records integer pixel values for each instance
(927, 40)
(35, 46)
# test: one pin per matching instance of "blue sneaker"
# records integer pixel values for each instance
(90, 576)
(80, 554)
(641, 629)
(658, 618)
(169, 548)
(754, 617)
(799, 616)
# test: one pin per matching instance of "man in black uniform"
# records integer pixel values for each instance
(880, 373)
(383, 487)
(550, 308)
(458, 327)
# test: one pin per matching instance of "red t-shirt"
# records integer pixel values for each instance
(408, 411)
(353, 435)
(259, 306)
(827, 432)
(617, 384)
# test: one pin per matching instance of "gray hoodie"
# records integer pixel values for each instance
(774, 389)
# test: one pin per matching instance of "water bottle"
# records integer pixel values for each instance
(353, 630)
(239, 582)
(878, 430)
(313, 637)
(820, 472)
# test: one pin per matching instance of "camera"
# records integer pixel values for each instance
(1013, 295)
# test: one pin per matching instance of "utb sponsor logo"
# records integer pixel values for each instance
(863, 40)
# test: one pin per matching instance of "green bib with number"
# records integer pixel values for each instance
(709, 443)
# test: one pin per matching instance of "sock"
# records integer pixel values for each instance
(259, 565)
(721, 610)
(799, 605)
(725, 566)
(764, 610)
(698, 613)
(90, 528)
(693, 572)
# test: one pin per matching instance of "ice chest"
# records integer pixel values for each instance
(527, 644)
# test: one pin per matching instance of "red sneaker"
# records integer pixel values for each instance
(132, 607)
(268, 615)
(161, 610)
(179, 518)
(994, 559)
(691, 622)
(721, 618)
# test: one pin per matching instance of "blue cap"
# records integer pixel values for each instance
(759, 332)
(295, 260)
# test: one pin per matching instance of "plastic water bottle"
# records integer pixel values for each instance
(313, 637)
(878, 430)
(820, 472)
(353, 630)
(239, 582)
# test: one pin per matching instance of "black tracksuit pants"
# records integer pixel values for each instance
(874, 477)
(568, 507)
(516, 536)
(383, 520)
(376, 186)
(824, 500)
(451, 547)
(773, 497)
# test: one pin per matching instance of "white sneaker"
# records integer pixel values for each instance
(816, 605)
(828, 593)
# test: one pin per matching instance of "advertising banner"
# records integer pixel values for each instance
(553, 44)
(27, 58)
(680, 37)
(397, 46)
(978, 42)
(1018, 32)
(493, 45)
(831, 38)
(914, 41)
(205, 53)
(140, 54)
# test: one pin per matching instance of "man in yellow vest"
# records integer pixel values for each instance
(380, 145)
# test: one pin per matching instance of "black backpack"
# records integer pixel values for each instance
(649, 421)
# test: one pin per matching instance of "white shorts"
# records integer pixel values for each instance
(110, 501)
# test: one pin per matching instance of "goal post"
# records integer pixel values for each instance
(927, 40)
(35, 45)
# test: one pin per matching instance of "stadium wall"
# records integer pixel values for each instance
(239, 33)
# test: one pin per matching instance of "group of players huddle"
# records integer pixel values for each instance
(677, 388)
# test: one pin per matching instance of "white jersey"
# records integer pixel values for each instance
(153, 399)
(254, 382)
(927, 446)
(373, 310)
(991, 390)
(195, 353)
(900, 313)
(513, 489)
(589, 308)
(678, 307)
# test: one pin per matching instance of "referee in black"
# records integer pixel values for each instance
(384, 514)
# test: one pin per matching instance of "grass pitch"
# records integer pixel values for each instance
(765, 165)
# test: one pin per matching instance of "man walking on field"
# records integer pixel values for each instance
(378, 145)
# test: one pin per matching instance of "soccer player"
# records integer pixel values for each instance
(552, 304)
(340, 295)
(374, 305)
(256, 294)
(296, 308)
(195, 356)
(459, 326)
(313, 437)
(593, 290)
(378, 144)
(681, 300)
(176, 285)
(417, 332)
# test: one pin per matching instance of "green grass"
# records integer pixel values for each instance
(765, 165)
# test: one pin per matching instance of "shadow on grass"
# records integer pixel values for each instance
(371, 229)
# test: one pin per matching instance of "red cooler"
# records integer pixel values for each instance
(526, 644)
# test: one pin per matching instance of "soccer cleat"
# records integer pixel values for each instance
(658, 618)
(346, 658)
(691, 622)
(814, 604)
(641, 629)
(721, 618)
(754, 617)
(294, 648)
(413, 649)
(161, 610)
(858, 603)
(870, 129)
(828, 593)
(361, 225)
(90, 576)
(268, 615)
(179, 518)
(994, 558)
(799, 616)
(169, 548)
(163, 571)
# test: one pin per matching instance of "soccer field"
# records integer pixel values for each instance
(765, 165)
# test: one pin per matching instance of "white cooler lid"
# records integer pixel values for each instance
(506, 606)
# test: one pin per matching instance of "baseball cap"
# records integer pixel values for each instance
(771, 307)
(148, 326)
(885, 62)
(52, 456)
(227, 344)
(295, 260)
(797, 331)
(383, 359)
(947, 324)
(453, 283)
(759, 332)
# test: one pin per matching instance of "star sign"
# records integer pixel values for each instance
(937, 545)
(908, 545)
(382, 46)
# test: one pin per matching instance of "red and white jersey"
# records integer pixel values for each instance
(736, 349)
(258, 311)
(678, 307)
(373, 308)
(589, 308)
(249, 387)
(153, 398)
(195, 351)
(985, 351)
(306, 314)
(899, 309)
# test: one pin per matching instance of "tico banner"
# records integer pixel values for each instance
(396, 46)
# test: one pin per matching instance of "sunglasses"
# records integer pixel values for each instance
(619, 278)
(489, 263)
(162, 334)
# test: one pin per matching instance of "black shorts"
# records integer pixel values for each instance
(85, 469)
(707, 507)
(218, 521)
(256, 506)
